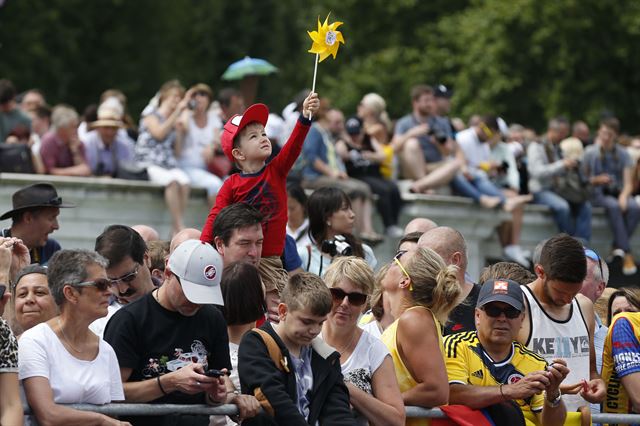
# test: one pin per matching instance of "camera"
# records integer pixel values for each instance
(503, 167)
(439, 135)
(192, 104)
(337, 247)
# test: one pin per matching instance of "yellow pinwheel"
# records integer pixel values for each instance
(326, 40)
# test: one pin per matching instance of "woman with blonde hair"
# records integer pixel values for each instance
(372, 109)
(366, 364)
(155, 149)
(421, 290)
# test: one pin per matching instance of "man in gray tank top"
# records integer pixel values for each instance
(559, 322)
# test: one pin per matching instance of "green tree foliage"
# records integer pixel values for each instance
(526, 60)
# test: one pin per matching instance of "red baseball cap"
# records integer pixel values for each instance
(255, 113)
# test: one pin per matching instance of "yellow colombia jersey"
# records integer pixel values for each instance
(620, 358)
(468, 363)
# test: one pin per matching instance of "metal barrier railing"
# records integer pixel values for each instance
(123, 409)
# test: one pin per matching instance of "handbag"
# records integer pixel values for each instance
(572, 187)
(15, 158)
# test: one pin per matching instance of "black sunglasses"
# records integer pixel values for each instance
(356, 299)
(3, 288)
(126, 278)
(102, 284)
(495, 311)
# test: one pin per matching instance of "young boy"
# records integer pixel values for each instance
(245, 142)
(306, 386)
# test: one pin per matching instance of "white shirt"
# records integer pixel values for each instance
(72, 380)
(365, 359)
(475, 151)
(314, 261)
(197, 140)
(99, 325)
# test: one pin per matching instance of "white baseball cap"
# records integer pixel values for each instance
(199, 267)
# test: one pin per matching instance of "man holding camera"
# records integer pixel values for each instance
(425, 142)
(490, 172)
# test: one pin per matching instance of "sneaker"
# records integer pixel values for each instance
(394, 231)
(615, 253)
(514, 253)
(629, 265)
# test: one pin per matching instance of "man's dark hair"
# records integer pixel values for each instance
(563, 259)
(419, 90)
(7, 91)
(242, 293)
(119, 241)
(411, 237)
(612, 123)
(235, 216)
(557, 122)
(225, 95)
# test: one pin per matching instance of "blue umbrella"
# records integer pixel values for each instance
(248, 67)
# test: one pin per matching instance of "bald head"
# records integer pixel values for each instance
(420, 224)
(182, 236)
(146, 232)
(448, 243)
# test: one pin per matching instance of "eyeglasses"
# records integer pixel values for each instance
(3, 288)
(126, 278)
(396, 260)
(355, 298)
(102, 284)
(594, 256)
(495, 311)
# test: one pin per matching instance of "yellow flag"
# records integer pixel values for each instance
(326, 40)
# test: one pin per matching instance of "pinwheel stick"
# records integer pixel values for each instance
(313, 85)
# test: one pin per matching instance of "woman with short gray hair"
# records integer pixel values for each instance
(61, 361)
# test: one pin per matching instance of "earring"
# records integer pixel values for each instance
(329, 224)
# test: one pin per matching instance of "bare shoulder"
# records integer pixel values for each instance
(416, 322)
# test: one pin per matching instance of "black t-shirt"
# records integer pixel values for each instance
(462, 318)
(154, 341)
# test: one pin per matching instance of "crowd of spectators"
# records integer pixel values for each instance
(309, 326)
(177, 144)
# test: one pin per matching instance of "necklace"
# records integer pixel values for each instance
(348, 345)
(66, 339)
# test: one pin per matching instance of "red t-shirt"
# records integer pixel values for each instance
(265, 190)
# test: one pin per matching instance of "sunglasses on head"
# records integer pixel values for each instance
(102, 284)
(396, 260)
(355, 299)
(594, 256)
(126, 278)
(495, 311)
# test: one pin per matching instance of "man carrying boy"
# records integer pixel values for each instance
(306, 386)
(261, 185)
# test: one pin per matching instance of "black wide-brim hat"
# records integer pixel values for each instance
(33, 196)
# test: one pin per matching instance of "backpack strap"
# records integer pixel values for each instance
(274, 350)
(280, 362)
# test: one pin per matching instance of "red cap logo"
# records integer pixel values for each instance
(210, 272)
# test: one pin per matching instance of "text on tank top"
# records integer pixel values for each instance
(567, 339)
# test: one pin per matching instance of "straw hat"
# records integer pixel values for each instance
(109, 114)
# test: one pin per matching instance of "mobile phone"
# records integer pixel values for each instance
(214, 373)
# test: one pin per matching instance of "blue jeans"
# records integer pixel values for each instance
(574, 219)
(622, 224)
(478, 186)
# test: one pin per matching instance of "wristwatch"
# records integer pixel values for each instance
(555, 402)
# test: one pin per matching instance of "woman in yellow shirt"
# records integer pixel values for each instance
(422, 290)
